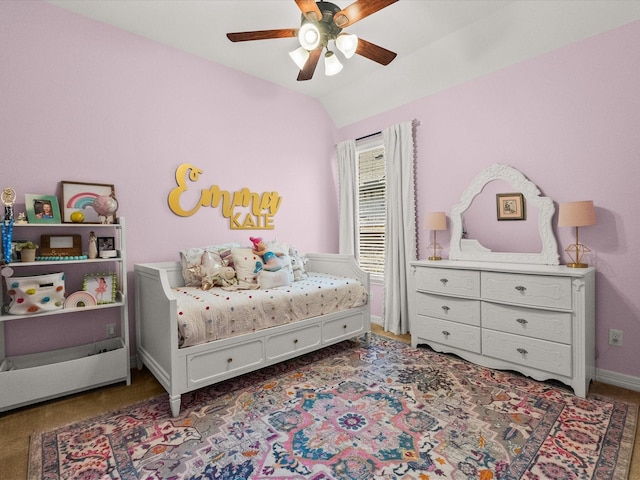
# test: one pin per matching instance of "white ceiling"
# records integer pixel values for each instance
(439, 43)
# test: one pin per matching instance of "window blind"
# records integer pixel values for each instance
(372, 210)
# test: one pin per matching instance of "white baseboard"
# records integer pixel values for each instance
(618, 379)
(377, 320)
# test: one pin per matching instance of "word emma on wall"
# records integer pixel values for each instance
(246, 210)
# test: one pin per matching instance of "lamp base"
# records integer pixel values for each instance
(577, 265)
(435, 258)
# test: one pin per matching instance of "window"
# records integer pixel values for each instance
(372, 206)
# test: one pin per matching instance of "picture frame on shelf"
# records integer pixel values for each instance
(42, 208)
(103, 286)
(510, 206)
(61, 245)
(79, 197)
(106, 247)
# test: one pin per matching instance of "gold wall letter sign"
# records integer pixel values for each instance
(246, 210)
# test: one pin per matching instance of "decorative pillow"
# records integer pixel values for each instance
(244, 263)
(40, 293)
(282, 250)
(195, 264)
(279, 278)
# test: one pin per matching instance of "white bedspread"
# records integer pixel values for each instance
(207, 315)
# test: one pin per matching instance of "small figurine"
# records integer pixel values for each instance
(22, 218)
(93, 245)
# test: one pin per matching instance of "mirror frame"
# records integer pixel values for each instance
(549, 253)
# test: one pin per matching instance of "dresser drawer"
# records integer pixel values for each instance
(448, 281)
(461, 310)
(534, 290)
(542, 324)
(530, 352)
(294, 341)
(343, 327)
(206, 366)
(452, 334)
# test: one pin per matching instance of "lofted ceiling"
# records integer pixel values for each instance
(440, 43)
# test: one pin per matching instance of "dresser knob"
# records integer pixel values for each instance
(229, 360)
(444, 281)
(522, 351)
(520, 288)
(445, 333)
(295, 340)
(445, 308)
(521, 321)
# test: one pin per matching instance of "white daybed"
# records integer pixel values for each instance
(182, 370)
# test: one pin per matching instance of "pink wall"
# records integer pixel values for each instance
(569, 121)
(82, 101)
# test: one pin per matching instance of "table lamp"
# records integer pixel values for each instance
(577, 214)
(435, 221)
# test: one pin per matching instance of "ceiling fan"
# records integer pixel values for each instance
(322, 22)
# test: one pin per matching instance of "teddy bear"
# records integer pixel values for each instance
(270, 260)
(225, 277)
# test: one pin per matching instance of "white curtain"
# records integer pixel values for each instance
(400, 231)
(347, 190)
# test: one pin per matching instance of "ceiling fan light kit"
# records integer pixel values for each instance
(321, 23)
(332, 65)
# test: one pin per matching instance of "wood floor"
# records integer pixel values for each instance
(17, 425)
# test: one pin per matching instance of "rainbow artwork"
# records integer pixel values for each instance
(83, 201)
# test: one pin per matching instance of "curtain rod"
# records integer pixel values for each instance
(367, 136)
(415, 122)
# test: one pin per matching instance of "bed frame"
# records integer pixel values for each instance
(182, 370)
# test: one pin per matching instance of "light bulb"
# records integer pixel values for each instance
(309, 36)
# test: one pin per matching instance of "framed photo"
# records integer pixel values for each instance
(79, 197)
(60, 245)
(42, 208)
(510, 206)
(106, 247)
(103, 286)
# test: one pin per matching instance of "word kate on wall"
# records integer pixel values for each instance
(246, 210)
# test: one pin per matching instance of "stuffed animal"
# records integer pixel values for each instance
(225, 277)
(297, 264)
(270, 260)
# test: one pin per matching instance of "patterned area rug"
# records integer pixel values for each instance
(387, 411)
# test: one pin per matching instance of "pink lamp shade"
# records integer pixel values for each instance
(436, 221)
(577, 214)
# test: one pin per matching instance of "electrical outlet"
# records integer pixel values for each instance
(111, 330)
(615, 337)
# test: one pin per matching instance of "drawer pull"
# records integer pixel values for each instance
(445, 308)
(521, 321)
(445, 333)
(344, 326)
(295, 340)
(522, 351)
(444, 281)
(229, 360)
(521, 289)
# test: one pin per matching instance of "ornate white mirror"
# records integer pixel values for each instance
(533, 221)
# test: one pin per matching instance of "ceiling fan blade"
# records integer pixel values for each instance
(310, 10)
(374, 52)
(307, 72)
(358, 10)
(262, 34)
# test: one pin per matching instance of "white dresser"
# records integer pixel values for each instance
(538, 320)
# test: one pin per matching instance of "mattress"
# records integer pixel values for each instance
(208, 315)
